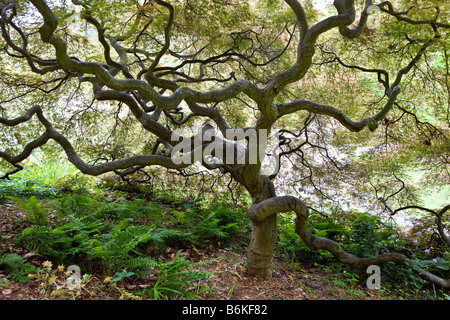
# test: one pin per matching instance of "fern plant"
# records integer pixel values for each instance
(141, 263)
(71, 241)
(86, 237)
(175, 280)
(17, 267)
(77, 205)
(210, 228)
(124, 245)
(35, 212)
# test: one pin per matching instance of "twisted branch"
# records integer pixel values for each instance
(266, 208)
(95, 170)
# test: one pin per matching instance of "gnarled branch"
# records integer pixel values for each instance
(95, 170)
(266, 208)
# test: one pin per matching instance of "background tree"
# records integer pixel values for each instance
(113, 84)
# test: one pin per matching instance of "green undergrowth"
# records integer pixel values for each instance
(120, 232)
(24, 188)
(117, 234)
(17, 267)
(127, 234)
(122, 235)
(367, 235)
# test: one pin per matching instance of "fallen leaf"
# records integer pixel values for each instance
(29, 255)
(130, 286)
(6, 292)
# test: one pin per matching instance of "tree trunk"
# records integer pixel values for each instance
(262, 247)
(264, 233)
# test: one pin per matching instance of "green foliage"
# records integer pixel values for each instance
(358, 233)
(122, 275)
(292, 248)
(24, 188)
(64, 244)
(116, 235)
(438, 266)
(175, 279)
(124, 245)
(363, 235)
(216, 223)
(368, 234)
(209, 228)
(32, 207)
(76, 205)
(54, 173)
(17, 267)
(85, 238)
(343, 276)
(328, 228)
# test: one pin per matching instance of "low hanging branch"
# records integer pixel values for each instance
(72, 156)
(283, 204)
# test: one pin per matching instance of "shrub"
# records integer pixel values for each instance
(368, 234)
(358, 233)
(292, 248)
(17, 267)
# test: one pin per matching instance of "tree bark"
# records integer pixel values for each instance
(262, 247)
(264, 231)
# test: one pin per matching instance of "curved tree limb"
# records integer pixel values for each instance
(48, 35)
(300, 14)
(95, 170)
(275, 205)
(49, 65)
(401, 16)
(317, 108)
(358, 30)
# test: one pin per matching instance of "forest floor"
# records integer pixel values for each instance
(226, 278)
(224, 284)
(227, 281)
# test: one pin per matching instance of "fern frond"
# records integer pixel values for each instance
(32, 207)
(141, 263)
(17, 267)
